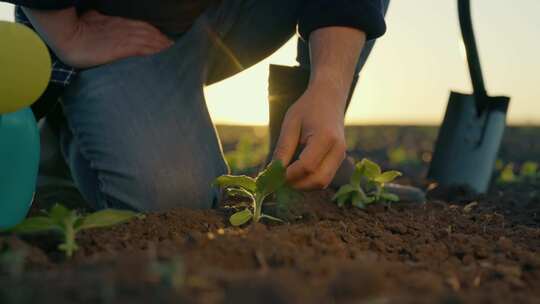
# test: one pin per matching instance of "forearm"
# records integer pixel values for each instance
(56, 27)
(334, 55)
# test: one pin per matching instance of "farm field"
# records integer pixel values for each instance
(456, 248)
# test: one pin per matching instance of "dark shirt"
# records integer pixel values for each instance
(170, 16)
(365, 15)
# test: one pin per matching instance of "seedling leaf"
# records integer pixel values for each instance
(271, 179)
(59, 213)
(371, 169)
(275, 219)
(242, 181)
(342, 200)
(36, 224)
(390, 197)
(356, 178)
(387, 176)
(68, 223)
(529, 169)
(106, 218)
(241, 217)
(358, 201)
(238, 192)
(345, 191)
(366, 186)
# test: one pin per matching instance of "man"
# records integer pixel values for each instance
(137, 132)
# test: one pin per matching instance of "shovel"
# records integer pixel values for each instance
(470, 136)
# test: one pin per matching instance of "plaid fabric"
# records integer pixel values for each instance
(62, 74)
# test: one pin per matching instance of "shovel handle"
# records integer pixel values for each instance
(475, 69)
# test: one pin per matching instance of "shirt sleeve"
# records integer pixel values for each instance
(43, 4)
(365, 15)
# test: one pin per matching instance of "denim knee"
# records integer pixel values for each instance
(161, 188)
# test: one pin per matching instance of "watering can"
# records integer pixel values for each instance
(470, 136)
(25, 69)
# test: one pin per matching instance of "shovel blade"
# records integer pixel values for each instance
(467, 145)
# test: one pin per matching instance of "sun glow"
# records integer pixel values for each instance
(243, 98)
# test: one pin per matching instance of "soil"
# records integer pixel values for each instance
(456, 248)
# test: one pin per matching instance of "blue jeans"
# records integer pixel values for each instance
(138, 133)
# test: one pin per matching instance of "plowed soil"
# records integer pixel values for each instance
(456, 248)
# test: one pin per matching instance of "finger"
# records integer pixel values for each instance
(161, 40)
(142, 50)
(311, 157)
(148, 28)
(145, 51)
(135, 47)
(146, 37)
(326, 172)
(128, 28)
(288, 140)
(146, 31)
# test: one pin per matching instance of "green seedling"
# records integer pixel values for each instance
(400, 156)
(69, 222)
(507, 175)
(529, 171)
(367, 186)
(255, 190)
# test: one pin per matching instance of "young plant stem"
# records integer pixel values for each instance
(257, 209)
(69, 240)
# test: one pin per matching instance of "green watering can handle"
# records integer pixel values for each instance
(467, 31)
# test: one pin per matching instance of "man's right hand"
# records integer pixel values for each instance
(93, 39)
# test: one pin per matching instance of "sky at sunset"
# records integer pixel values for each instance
(414, 66)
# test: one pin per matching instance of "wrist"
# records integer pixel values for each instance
(332, 89)
(330, 80)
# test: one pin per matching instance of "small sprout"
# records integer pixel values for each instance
(507, 175)
(499, 164)
(256, 190)
(242, 217)
(366, 186)
(529, 171)
(399, 156)
(469, 207)
(68, 223)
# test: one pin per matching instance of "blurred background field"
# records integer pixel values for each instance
(405, 148)
(405, 84)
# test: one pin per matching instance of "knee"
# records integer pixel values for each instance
(167, 188)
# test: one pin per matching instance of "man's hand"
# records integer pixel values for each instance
(94, 39)
(316, 121)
